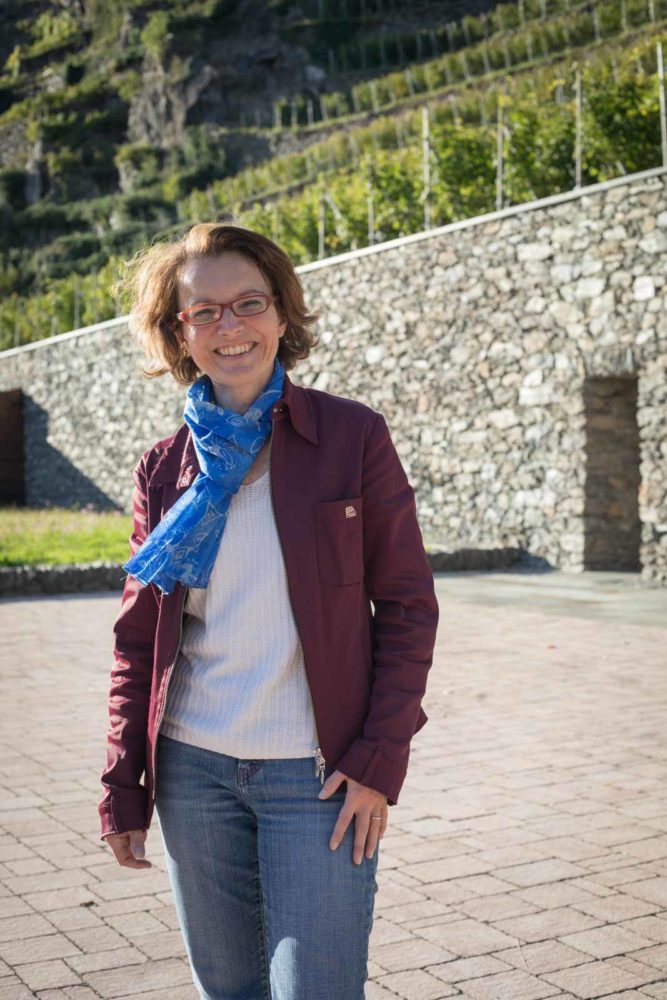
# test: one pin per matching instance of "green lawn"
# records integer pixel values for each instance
(59, 535)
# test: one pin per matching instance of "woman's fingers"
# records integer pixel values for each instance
(373, 835)
(137, 839)
(366, 835)
(362, 826)
(367, 831)
(342, 823)
(128, 848)
(129, 859)
(375, 831)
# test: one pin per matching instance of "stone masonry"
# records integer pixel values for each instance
(519, 358)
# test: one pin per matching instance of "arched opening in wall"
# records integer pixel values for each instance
(612, 528)
(12, 479)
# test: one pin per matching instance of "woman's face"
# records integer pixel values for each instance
(221, 279)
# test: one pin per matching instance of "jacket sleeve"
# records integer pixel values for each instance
(123, 806)
(400, 584)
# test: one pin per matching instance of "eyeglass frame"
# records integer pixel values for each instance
(182, 316)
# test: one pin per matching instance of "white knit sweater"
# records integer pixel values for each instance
(239, 684)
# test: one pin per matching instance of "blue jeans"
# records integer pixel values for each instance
(267, 910)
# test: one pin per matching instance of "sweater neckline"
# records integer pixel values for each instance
(255, 481)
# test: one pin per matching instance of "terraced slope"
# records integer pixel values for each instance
(123, 122)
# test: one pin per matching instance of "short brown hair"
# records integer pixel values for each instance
(150, 284)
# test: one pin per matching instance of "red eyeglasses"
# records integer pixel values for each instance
(203, 313)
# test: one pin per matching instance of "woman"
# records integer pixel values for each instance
(271, 709)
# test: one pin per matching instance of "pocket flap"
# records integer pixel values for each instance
(348, 510)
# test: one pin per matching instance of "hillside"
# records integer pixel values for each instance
(120, 121)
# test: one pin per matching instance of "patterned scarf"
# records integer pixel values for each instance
(183, 546)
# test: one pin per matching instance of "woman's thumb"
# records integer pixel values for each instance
(137, 844)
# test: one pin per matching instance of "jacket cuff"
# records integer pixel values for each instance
(368, 764)
(123, 810)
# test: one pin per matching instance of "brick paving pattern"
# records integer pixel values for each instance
(527, 857)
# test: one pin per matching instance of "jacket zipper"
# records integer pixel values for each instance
(164, 696)
(320, 762)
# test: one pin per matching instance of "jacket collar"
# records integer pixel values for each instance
(178, 462)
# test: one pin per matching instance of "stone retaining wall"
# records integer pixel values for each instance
(69, 579)
(520, 360)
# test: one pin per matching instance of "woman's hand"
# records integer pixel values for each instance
(129, 848)
(361, 802)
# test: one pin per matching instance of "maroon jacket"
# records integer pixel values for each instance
(347, 522)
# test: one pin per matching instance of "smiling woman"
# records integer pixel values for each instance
(274, 636)
(160, 278)
(234, 342)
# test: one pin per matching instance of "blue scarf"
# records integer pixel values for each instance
(183, 546)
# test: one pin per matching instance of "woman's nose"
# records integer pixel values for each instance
(228, 320)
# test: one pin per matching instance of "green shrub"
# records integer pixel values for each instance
(155, 36)
(73, 247)
(124, 241)
(129, 85)
(13, 63)
(53, 29)
(46, 215)
(139, 162)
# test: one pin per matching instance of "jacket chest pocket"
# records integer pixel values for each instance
(338, 532)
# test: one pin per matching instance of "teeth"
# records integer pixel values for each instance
(242, 349)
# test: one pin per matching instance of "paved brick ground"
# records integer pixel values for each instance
(527, 857)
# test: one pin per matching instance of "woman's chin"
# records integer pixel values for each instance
(222, 369)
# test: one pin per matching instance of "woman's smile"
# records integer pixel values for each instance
(236, 350)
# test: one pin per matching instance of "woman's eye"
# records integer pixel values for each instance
(202, 314)
(250, 304)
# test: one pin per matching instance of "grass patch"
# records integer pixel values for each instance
(57, 535)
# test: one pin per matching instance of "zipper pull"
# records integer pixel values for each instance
(319, 764)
